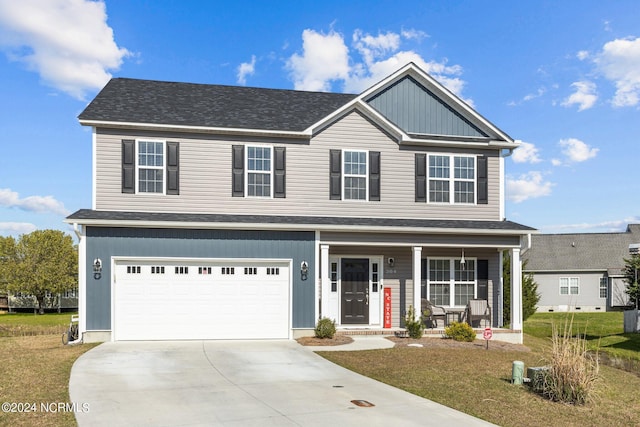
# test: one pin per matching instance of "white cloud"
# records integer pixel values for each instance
(413, 34)
(582, 55)
(40, 204)
(576, 150)
(556, 162)
(584, 96)
(16, 228)
(246, 69)
(67, 42)
(527, 186)
(619, 62)
(526, 153)
(324, 58)
(604, 226)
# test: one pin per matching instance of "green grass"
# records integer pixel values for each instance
(35, 367)
(603, 331)
(25, 324)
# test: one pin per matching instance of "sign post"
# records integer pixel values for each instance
(487, 335)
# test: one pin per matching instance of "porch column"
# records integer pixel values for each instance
(516, 290)
(417, 278)
(325, 282)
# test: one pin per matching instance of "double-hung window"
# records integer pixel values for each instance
(451, 179)
(151, 166)
(569, 286)
(451, 282)
(604, 287)
(259, 170)
(355, 175)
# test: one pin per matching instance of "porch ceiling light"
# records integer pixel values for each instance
(462, 261)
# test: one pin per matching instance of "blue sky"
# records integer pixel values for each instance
(562, 77)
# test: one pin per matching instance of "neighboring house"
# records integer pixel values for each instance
(20, 301)
(226, 212)
(581, 272)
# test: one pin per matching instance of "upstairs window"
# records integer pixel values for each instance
(452, 179)
(150, 167)
(259, 171)
(355, 175)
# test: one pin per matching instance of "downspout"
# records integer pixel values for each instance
(81, 277)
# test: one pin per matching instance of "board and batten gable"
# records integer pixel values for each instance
(205, 175)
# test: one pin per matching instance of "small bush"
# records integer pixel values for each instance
(460, 331)
(414, 326)
(573, 372)
(325, 328)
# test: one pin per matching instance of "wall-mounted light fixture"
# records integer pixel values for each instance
(304, 270)
(391, 262)
(97, 268)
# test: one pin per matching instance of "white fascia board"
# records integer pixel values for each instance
(199, 129)
(292, 227)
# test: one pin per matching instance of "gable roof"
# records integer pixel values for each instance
(581, 251)
(153, 104)
(131, 101)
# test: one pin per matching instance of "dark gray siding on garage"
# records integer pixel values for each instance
(105, 243)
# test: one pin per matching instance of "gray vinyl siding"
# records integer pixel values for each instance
(105, 243)
(587, 299)
(205, 177)
(415, 109)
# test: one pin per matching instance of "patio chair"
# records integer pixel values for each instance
(477, 310)
(434, 311)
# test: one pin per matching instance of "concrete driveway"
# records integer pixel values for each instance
(237, 383)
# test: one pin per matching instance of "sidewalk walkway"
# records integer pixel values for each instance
(360, 342)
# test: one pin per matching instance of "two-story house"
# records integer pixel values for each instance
(226, 212)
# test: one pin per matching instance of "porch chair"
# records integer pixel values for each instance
(477, 310)
(434, 311)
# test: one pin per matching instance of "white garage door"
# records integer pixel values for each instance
(177, 300)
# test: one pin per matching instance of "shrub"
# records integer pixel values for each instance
(414, 326)
(325, 328)
(460, 331)
(574, 371)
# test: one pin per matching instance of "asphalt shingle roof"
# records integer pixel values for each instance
(88, 214)
(581, 251)
(204, 105)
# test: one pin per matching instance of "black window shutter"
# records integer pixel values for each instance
(173, 168)
(237, 183)
(374, 176)
(483, 279)
(128, 166)
(421, 177)
(483, 185)
(335, 175)
(279, 172)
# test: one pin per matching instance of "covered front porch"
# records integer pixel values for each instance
(368, 281)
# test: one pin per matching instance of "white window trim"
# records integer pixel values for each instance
(452, 279)
(568, 286)
(452, 180)
(247, 171)
(605, 287)
(163, 167)
(345, 175)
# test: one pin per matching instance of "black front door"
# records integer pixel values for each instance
(355, 291)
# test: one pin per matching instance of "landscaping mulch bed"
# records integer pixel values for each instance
(336, 340)
(449, 343)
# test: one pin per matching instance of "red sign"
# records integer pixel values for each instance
(488, 334)
(387, 307)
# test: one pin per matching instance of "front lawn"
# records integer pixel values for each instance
(35, 369)
(478, 381)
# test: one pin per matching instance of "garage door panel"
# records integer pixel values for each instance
(241, 300)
